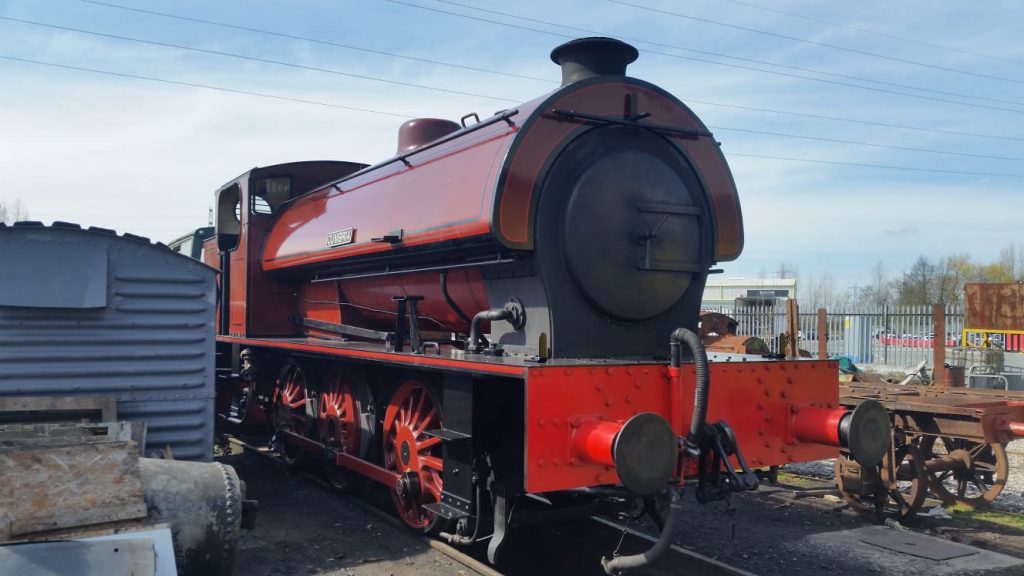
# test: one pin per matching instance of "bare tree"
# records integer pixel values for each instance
(878, 292)
(788, 270)
(11, 212)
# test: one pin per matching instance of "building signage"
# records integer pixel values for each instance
(766, 293)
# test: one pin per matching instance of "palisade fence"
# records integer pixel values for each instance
(898, 336)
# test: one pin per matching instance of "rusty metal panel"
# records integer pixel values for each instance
(80, 483)
(997, 306)
(152, 345)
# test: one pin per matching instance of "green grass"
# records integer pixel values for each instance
(1006, 519)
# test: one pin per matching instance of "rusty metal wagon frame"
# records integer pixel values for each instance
(946, 442)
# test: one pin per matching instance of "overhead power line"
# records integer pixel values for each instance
(315, 41)
(454, 65)
(256, 59)
(385, 113)
(855, 121)
(693, 58)
(740, 58)
(547, 80)
(873, 32)
(885, 166)
(871, 144)
(204, 86)
(813, 42)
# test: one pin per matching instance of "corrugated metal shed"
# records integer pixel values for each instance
(88, 311)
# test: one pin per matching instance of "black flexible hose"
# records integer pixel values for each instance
(619, 565)
(700, 399)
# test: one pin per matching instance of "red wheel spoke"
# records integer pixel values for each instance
(432, 462)
(425, 444)
(407, 451)
(434, 490)
(419, 405)
(425, 422)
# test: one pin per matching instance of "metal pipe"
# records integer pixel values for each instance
(594, 441)
(700, 400)
(617, 566)
(474, 327)
(819, 425)
(448, 299)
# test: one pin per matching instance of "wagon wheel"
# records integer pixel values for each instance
(899, 499)
(288, 411)
(412, 411)
(338, 423)
(972, 485)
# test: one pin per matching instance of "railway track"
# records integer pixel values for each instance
(568, 547)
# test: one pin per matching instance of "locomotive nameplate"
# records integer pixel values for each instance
(340, 238)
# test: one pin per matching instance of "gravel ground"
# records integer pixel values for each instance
(304, 529)
(1011, 499)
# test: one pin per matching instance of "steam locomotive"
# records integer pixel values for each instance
(504, 313)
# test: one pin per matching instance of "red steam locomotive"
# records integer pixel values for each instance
(504, 312)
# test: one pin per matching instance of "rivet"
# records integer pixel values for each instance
(783, 394)
(767, 417)
(558, 422)
(541, 462)
(558, 461)
(629, 399)
(599, 386)
(540, 422)
(575, 461)
(608, 402)
(610, 370)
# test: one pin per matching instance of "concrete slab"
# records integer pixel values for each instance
(892, 551)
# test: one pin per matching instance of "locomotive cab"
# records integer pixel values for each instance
(247, 208)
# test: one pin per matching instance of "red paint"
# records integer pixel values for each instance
(368, 300)
(593, 441)
(755, 398)
(444, 195)
(513, 218)
(409, 451)
(675, 400)
(1016, 428)
(340, 350)
(371, 471)
(820, 425)
(477, 186)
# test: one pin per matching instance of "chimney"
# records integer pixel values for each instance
(586, 57)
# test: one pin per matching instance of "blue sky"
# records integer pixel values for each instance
(145, 156)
